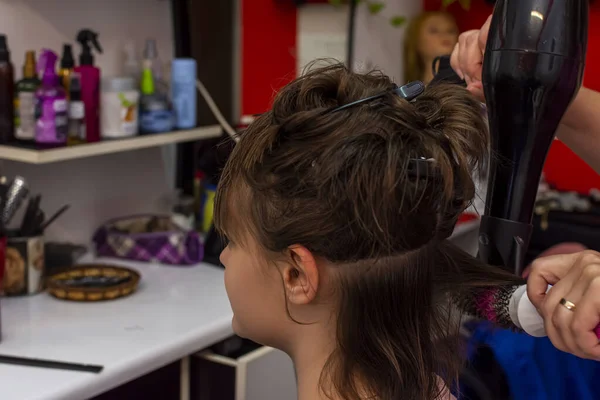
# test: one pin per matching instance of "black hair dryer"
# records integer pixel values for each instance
(532, 70)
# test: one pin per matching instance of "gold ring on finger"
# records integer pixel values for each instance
(567, 304)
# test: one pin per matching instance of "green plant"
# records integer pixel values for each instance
(375, 7)
(465, 4)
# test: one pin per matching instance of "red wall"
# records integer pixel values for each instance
(577, 176)
(268, 51)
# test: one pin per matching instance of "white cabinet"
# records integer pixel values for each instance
(261, 374)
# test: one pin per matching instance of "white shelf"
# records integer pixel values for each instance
(15, 153)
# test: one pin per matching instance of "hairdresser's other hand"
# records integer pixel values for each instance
(467, 57)
(576, 278)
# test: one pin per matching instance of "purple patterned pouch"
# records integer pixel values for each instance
(148, 238)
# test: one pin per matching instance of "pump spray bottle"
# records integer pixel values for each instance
(90, 83)
(51, 104)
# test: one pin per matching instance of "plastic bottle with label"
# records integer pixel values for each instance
(7, 98)
(119, 107)
(25, 100)
(90, 82)
(156, 115)
(183, 92)
(51, 104)
(76, 132)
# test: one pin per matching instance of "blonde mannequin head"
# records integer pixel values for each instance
(429, 35)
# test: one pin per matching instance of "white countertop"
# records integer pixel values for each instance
(176, 312)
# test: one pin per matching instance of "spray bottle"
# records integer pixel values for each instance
(152, 60)
(90, 83)
(132, 66)
(51, 104)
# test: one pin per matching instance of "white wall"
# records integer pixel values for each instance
(378, 43)
(322, 32)
(106, 186)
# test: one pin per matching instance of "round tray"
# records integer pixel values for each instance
(93, 282)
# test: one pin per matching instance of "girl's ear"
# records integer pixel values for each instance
(301, 276)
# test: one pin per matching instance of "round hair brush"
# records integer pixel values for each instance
(508, 307)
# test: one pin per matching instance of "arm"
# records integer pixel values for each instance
(580, 127)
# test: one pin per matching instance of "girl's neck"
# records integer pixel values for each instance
(310, 356)
(309, 375)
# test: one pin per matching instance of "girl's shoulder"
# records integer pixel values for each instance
(445, 392)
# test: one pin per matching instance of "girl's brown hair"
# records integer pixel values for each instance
(414, 65)
(338, 183)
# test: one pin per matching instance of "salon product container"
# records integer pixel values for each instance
(7, 85)
(119, 107)
(183, 92)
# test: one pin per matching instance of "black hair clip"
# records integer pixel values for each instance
(422, 168)
(418, 168)
(409, 92)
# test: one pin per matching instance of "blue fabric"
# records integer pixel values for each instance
(536, 370)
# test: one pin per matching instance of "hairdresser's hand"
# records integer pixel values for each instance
(467, 57)
(576, 278)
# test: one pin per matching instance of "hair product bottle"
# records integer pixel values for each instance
(7, 89)
(156, 115)
(51, 104)
(67, 64)
(90, 83)
(76, 131)
(119, 111)
(132, 66)
(153, 61)
(183, 92)
(25, 100)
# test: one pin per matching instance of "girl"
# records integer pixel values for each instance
(337, 216)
